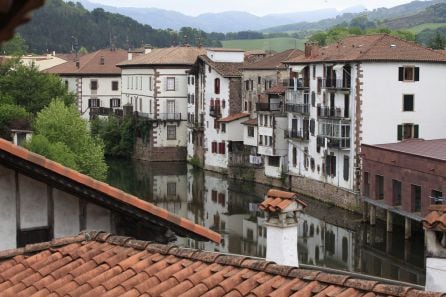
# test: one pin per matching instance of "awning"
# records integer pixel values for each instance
(298, 68)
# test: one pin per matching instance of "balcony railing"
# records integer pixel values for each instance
(215, 111)
(298, 134)
(269, 106)
(170, 116)
(303, 109)
(334, 142)
(337, 84)
(331, 113)
(298, 84)
(145, 116)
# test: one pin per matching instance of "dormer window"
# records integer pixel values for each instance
(102, 61)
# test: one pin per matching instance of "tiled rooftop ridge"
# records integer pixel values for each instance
(436, 218)
(277, 201)
(98, 263)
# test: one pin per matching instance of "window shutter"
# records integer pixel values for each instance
(401, 73)
(346, 167)
(89, 102)
(415, 131)
(400, 132)
(417, 73)
(111, 103)
(333, 165)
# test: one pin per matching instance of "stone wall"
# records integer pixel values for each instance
(146, 152)
(235, 96)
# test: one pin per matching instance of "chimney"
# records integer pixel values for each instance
(147, 49)
(282, 212)
(311, 49)
(435, 233)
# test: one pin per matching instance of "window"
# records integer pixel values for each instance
(437, 197)
(409, 73)
(319, 85)
(171, 132)
(66, 84)
(250, 131)
(313, 99)
(274, 161)
(222, 148)
(259, 80)
(34, 235)
(192, 99)
(407, 131)
(312, 164)
(314, 71)
(416, 197)
(150, 83)
(294, 156)
(115, 85)
(379, 187)
(94, 103)
(346, 167)
(94, 85)
(408, 103)
(330, 164)
(170, 84)
(247, 85)
(312, 126)
(171, 189)
(223, 128)
(214, 147)
(217, 86)
(396, 192)
(115, 102)
(192, 80)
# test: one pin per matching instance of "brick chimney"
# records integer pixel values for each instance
(435, 232)
(282, 212)
(311, 49)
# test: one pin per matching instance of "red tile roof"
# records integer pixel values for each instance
(372, 48)
(90, 64)
(436, 219)
(234, 117)
(251, 122)
(274, 61)
(434, 149)
(276, 89)
(113, 193)
(100, 264)
(277, 200)
(223, 68)
(181, 55)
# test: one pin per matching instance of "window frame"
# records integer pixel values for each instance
(168, 86)
(94, 85)
(404, 102)
(171, 136)
(115, 85)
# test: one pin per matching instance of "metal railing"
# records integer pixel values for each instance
(215, 111)
(334, 113)
(338, 84)
(298, 84)
(170, 116)
(301, 108)
(297, 134)
(335, 141)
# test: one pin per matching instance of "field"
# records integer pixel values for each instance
(419, 28)
(275, 44)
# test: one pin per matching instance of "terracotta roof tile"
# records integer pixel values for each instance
(170, 275)
(234, 117)
(225, 69)
(274, 61)
(101, 62)
(115, 194)
(277, 200)
(436, 218)
(276, 89)
(251, 122)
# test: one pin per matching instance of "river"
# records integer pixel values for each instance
(328, 236)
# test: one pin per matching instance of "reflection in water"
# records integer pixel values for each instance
(328, 236)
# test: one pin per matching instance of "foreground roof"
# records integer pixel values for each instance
(234, 117)
(100, 264)
(182, 55)
(434, 149)
(372, 48)
(25, 161)
(91, 64)
(436, 219)
(274, 62)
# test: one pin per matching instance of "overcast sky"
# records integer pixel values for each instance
(258, 7)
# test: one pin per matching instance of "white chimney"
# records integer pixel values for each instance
(147, 49)
(130, 56)
(282, 213)
(435, 232)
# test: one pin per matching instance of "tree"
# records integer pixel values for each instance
(28, 87)
(15, 47)
(62, 135)
(438, 42)
(10, 115)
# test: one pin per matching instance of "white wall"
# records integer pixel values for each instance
(435, 275)
(33, 203)
(98, 218)
(66, 214)
(251, 141)
(8, 219)
(282, 245)
(383, 101)
(226, 57)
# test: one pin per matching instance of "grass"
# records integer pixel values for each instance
(275, 44)
(419, 28)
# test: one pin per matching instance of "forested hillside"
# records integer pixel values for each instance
(54, 26)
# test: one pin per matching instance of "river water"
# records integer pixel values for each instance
(328, 236)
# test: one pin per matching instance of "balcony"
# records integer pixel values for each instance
(336, 84)
(301, 134)
(215, 111)
(170, 116)
(336, 133)
(303, 109)
(336, 142)
(332, 113)
(296, 84)
(269, 106)
(144, 115)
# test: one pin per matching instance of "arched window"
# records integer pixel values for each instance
(217, 86)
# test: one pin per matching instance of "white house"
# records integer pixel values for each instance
(156, 86)
(95, 80)
(220, 77)
(363, 89)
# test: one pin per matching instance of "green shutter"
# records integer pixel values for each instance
(400, 132)
(401, 73)
(415, 131)
(417, 73)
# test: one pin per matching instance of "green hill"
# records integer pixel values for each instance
(275, 44)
